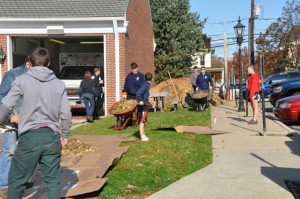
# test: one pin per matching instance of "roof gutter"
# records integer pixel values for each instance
(63, 19)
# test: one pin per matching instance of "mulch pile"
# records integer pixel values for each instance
(183, 88)
(76, 147)
(123, 106)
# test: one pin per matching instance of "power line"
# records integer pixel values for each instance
(227, 22)
(229, 44)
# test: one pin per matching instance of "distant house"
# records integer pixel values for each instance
(203, 57)
(120, 30)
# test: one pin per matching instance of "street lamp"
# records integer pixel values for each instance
(239, 31)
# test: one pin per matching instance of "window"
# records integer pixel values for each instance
(202, 60)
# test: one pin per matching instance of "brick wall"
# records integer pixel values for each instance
(139, 37)
(110, 70)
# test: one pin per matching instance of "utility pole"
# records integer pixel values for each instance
(251, 36)
(250, 46)
(226, 79)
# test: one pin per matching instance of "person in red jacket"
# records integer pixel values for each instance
(253, 92)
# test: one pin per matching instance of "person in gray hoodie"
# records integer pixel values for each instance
(44, 125)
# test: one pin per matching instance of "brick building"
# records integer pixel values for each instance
(120, 30)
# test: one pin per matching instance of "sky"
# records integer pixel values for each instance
(222, 16)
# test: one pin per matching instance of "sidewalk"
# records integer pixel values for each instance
(245, 164)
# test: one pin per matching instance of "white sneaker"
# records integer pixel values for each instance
(144, 138)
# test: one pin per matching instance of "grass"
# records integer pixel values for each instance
(148, 167)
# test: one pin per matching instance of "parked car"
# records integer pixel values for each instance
(278, 77)
(272, 79)
(72, 76)
(288, 108)
(284, 89)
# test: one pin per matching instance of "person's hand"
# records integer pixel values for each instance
(141, 103)
(14, 119)
(124, 95)
(100, 81)
(210, 87)
(63, 141)
(197, 88)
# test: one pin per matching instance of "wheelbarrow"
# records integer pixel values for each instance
(201, 99)
(124, 116)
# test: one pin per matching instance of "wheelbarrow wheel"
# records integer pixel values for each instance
(200, 107)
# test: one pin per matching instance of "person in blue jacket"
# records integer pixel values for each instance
(204, 81)
(133, 82)
(10, 136)
(142, 97)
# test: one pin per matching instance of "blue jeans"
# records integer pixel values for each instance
(8, 147)
(43, 147)
(89, 103)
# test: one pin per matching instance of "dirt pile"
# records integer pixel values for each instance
(184, 89)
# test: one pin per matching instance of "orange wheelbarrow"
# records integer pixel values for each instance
(124, 116)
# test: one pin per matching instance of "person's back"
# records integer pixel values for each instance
(86, 92)
(44, 104)
(40, 86)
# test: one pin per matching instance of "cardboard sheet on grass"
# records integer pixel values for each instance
(81, 174)
(193, 129)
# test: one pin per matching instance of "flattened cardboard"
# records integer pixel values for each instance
(67, 190)
(192, 129)
(198, 130)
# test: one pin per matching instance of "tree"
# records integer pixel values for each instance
(281, 42)
(234, 63)
(178, 37)
(217, 62)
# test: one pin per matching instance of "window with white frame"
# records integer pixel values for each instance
(202, 60)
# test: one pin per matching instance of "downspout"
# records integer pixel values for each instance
(117, 59)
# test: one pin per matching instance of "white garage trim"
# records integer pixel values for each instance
(117, 59)
(71, 27)
(105, 79)
(9, 56)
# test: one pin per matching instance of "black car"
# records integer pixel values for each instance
(284, 89)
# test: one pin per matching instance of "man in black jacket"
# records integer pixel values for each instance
(99, 93)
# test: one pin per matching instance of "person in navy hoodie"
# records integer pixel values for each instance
(203, 81)
(142, 97)
(133, 82)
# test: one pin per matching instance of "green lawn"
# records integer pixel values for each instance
(148, 167)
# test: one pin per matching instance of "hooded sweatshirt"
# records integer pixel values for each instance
(44, 102)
